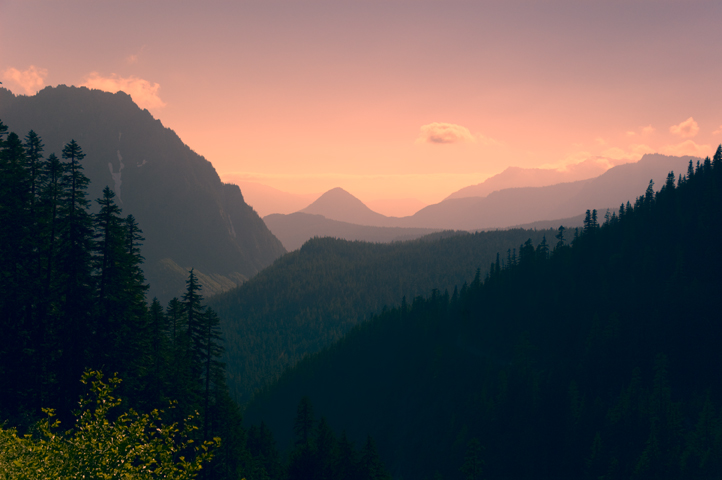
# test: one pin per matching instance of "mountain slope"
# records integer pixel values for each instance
(187, 214)
(614, 186)
(601, 361)
(516, 177)
(310, 297)
(503, 208)
(297, 228)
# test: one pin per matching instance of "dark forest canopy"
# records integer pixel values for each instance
(73, 303)
(595, 360)
(309, 298)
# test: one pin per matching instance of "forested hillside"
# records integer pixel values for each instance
(153, 401)
(311, 297)
(189, 217)
(598, 359)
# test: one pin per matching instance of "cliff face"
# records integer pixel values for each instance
(188, 216)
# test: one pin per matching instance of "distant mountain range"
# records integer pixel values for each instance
(516, 206)
(511, 206)
(297, 228)
(515, 177)
(190, 219)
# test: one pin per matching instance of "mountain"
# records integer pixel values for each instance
(514, 206)
(595, 360)
(190, 219)
(267, 200)
(338, 204)
(297, 228)
(617, 184)
(515, 177)
(312, 296)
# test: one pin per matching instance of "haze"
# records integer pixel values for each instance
(397, 102)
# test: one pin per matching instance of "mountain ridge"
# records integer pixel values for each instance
(515, 177)
(186, 213)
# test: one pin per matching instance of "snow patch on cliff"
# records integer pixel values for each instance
(117, 179)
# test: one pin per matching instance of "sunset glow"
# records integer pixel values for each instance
(390, 100)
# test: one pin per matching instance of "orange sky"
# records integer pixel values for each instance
(389, 98)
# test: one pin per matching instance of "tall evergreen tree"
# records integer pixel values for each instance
(473, 463)
(14, 267)
(371, 467)
(213, 370)
(75, 262)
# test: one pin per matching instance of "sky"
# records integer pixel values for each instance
(389, 99)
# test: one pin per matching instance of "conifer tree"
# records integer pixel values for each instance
(303, 424)
(371, 467)
(14, 266)
(560, 237)
(110, 247)
(325, 450)
(74, 261)
(302, 464)
(194, 312)
(212, 367)
(345, 464)
(156, 383)
(473, 463)
(262, 446)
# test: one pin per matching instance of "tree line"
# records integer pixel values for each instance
(72, 305)
(592, 355)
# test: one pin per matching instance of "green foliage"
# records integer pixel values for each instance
(129, 446)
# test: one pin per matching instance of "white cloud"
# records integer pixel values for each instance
(688, 147)
(143, 92)
(30, 80)
(649, 129)
(688, 128)
(449, 133)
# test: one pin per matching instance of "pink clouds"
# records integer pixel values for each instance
(445, 133)
(630, 154)
(688, 128)
(30, 80)
(688, 147)
(143, 92)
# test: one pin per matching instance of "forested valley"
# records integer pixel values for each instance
(590, 353)
(311, 297)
